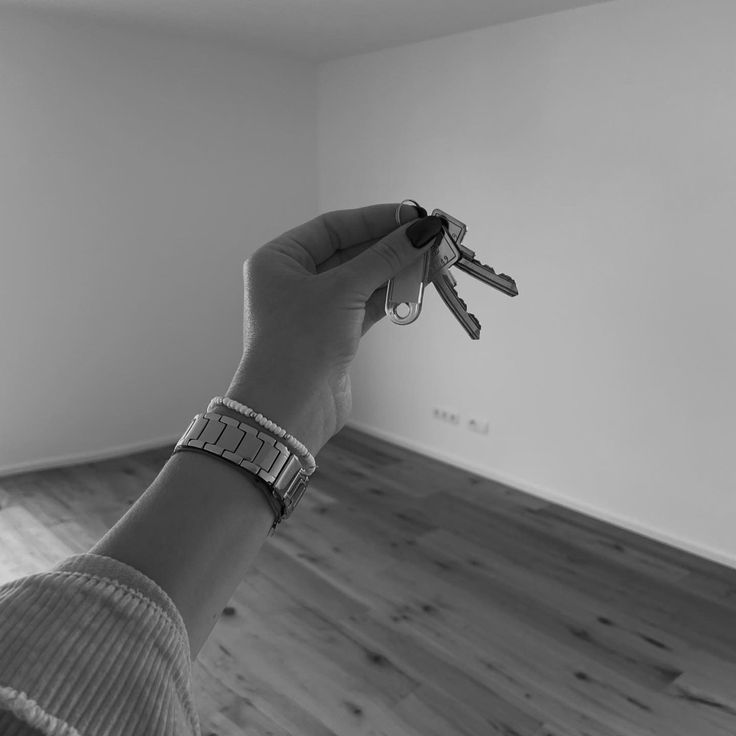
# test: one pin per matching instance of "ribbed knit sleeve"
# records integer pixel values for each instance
(93, 647)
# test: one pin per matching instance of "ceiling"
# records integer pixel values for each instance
(315, 30)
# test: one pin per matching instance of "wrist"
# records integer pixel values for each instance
(299, 418)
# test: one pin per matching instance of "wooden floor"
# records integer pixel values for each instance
(406, 597)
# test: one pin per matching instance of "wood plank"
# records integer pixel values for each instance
(262, 595)
(710, 691)
(225, 683)
(42, 549)
(226, 712)
(523, 595)
(365, 448)
(305, 588)
(654, 600)
(600, 540)
(499, 706)
(436, 714)
(373, 674)
(493, 646)
(315, 685)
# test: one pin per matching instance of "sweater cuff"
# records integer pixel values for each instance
(96, 645)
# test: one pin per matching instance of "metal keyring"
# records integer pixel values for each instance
(398, 209)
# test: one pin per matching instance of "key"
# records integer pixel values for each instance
(455, 229)
(468, 263)
(445, 284)
(447, 252)
(442, 257)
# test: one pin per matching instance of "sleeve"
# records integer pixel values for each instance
(93, 647)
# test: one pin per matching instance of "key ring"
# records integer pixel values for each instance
(398, 209)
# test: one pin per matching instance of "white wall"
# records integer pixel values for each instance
(593, 155)
(137, 171)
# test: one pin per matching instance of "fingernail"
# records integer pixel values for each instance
(424, 231)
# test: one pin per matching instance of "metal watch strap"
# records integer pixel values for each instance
(269, 463)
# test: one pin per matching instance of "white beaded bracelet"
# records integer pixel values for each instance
(305, 457)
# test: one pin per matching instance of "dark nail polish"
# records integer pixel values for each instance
(424, 231)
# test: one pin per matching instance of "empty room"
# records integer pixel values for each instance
(368, 368)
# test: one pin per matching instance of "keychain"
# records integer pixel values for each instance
(405, 291)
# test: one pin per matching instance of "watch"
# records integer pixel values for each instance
(271, 465)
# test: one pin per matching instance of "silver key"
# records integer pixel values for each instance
(468, 263)
(455, 229)
(445, 283)
(443, 256)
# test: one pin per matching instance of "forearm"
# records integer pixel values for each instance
(198, 527)
(195, 531)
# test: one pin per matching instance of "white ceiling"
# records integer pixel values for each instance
(316, 30)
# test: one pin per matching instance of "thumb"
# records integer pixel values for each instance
(392, 254)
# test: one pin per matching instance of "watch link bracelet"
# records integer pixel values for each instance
(270, 464)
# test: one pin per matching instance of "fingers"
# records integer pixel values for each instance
(342, 256)
(391, 255)
(332, 232)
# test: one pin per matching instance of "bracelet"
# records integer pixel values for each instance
(305, 457)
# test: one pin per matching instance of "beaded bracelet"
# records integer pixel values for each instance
(305, 457)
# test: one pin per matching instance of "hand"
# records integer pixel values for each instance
(310, 295)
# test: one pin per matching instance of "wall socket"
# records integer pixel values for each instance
(475, 424)
(478, 425)
(446, 415)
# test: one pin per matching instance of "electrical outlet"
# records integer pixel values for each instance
(446, 415)
(478, 425)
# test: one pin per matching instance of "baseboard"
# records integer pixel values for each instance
(547, 495)
(88, 457)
